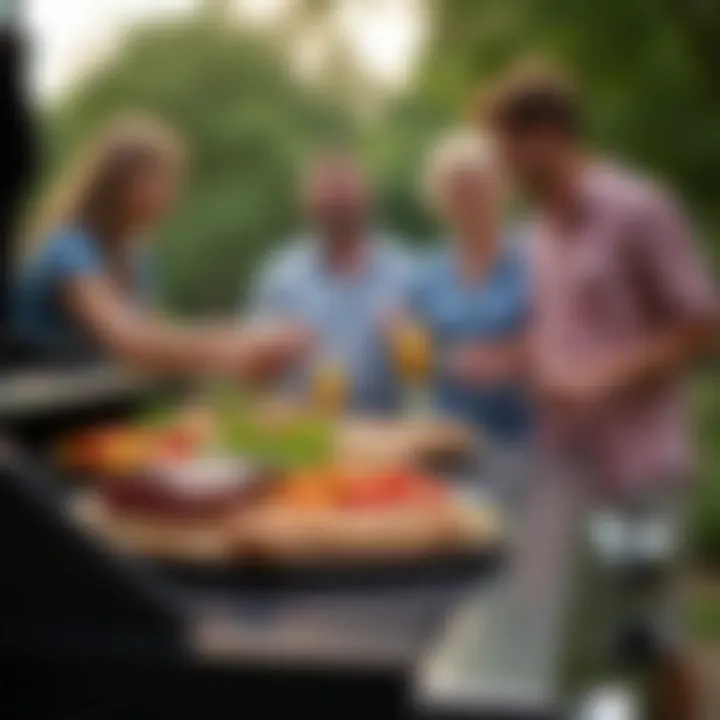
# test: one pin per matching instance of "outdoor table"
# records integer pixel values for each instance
(491, 647)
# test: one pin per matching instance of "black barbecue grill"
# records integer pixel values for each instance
(100, 634)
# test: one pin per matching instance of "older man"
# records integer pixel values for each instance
(342, 277)
(623, 306)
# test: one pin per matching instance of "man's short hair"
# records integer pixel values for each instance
(531, 97)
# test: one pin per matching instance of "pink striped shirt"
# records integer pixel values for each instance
(623, 267)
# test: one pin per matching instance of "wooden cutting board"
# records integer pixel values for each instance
(279, 535)
(283, 535)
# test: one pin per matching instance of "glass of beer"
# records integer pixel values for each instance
(329, 386)
(412, 350)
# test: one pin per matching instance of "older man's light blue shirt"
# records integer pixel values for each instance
(346, 312)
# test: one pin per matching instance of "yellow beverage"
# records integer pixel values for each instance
(412, 348)
(330, 387)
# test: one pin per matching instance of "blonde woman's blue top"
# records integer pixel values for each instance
(38, 313)
(492, 310)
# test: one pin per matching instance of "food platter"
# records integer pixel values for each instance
(302, 503)
(278, 435)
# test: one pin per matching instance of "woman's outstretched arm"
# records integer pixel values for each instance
(146, 341)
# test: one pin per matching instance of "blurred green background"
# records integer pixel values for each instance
(650, 69)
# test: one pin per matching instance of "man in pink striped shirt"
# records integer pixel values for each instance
(623, 304)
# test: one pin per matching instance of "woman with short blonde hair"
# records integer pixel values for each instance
(84, 290)
(473, 294)
(464, 150)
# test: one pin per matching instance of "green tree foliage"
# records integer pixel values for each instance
(249, 125)
(396, 152)
(706, 528)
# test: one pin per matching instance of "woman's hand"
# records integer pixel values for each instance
(134, 337)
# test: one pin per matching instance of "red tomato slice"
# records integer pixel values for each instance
(369, 492)
(412, 487)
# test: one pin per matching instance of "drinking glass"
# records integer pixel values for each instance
(329, 386)
(413, 352)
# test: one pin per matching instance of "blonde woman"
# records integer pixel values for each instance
(85, 290)
(473, 294)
